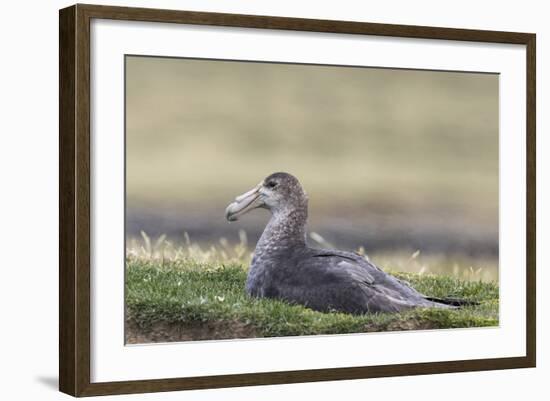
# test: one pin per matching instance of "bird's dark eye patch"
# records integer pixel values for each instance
(271, 184)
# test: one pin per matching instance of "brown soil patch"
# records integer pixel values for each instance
(172, 332)
(161, 332)
(411, 324)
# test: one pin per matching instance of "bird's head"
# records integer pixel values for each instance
(279, 193)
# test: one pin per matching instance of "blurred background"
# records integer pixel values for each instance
(400, 164)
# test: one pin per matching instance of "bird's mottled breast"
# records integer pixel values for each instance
(282, 237)
(263, 262)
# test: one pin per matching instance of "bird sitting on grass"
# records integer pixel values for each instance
(285, 267)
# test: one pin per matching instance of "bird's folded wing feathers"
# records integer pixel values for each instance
(365, 271)
(346, 263)
(356, 272)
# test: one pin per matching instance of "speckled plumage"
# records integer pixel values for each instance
(285, 267)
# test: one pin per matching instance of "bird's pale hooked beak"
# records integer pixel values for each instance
(244, 203)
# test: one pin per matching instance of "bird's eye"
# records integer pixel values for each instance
(271, 184)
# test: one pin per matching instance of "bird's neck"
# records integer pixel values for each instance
(285, 231)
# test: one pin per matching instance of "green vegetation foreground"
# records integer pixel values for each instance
(183, 300)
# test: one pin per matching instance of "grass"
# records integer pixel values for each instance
(181, 298)
(461, 266)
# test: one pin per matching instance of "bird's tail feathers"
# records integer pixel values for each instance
(458, 302)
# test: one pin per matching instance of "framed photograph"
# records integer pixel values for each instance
(250, 200)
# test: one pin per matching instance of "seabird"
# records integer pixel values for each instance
(285, 267)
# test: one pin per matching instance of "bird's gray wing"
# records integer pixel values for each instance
(385, 292)
(327, 283)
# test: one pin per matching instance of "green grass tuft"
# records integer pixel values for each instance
(190, 300)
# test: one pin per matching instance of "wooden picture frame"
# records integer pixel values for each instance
(74, 199)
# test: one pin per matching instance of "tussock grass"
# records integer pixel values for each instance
(163, 249)
(201, 293)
